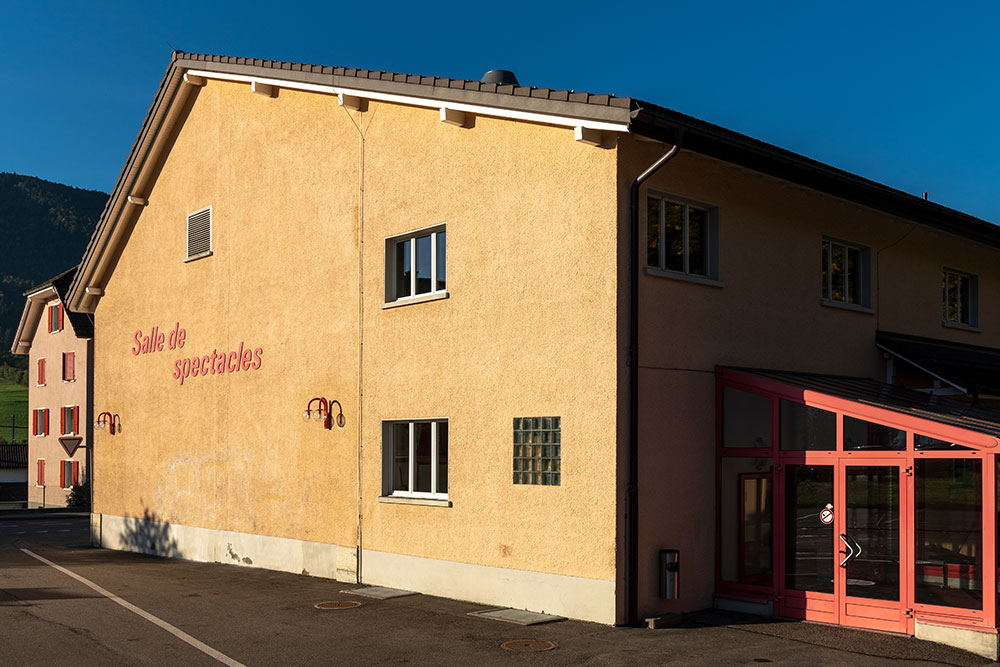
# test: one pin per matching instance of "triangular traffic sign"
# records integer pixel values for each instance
(70, 443)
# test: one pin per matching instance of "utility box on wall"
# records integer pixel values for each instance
(670, 563)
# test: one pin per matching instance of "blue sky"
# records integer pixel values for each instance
(905, 93)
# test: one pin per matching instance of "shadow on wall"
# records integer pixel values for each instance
(149, 534)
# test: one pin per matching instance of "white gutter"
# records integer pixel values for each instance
(430, 103)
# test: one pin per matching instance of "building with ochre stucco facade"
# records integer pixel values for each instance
(539, 319)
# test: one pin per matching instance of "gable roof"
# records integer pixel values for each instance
(36, 299)
(187, 71)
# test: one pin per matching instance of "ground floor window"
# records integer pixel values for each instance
(69, 474)
(949, 526)
(415, 458)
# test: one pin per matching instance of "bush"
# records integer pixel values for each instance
(79, 496)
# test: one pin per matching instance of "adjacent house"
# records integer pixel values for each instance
(60, 348)
(13, 476)
(546, 349)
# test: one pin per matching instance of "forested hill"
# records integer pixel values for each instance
(44, 229)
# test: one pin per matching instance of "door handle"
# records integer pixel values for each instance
(849, 552)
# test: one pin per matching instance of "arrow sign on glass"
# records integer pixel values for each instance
(70, 443)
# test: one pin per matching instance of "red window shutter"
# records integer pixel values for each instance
(34, 422)
(69, 365)
(62, 421)
(76, 473)
(76, 419)
(41, 371)
(41, 472)
(60, 317)
(62, 475)
(50, 320)
(45, 430)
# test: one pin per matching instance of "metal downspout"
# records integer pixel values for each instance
(632, 488)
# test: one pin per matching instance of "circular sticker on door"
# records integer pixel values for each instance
(826, 515)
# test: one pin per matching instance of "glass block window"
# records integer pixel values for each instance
(537, 450)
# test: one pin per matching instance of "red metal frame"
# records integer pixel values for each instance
(838, 607)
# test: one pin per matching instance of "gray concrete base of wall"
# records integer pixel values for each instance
(224, 546)
(980, 643)
(562, 595)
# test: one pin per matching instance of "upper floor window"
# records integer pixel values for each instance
(960, 294)
(69, 366)
(846, 273)
(682, 237)
(416, 265)
(199, 233)
(55, 318)
(69, 420)
(40, 421)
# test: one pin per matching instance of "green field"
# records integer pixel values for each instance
(13, 402)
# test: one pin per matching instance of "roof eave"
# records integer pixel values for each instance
(34, 305)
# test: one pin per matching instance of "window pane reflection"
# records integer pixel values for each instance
(863, 435)
(400, 457)
(805, 428)
(422, 457)
(949, 556)
(403, 269)
(424, 264)
(746, 419)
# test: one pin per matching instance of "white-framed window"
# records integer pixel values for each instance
(682, 236)
(69, 474)
(416, 265)
(69, 420)
(846, 273)
(415, 458)
(199, 233)
(55, 318)
(960, 298)
(40, 422)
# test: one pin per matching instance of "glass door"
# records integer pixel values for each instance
(809, 551)
(870, 537)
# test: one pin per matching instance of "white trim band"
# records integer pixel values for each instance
(428, 103)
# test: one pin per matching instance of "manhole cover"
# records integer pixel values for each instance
(527, 645)
(338, 604)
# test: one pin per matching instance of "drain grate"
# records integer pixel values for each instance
(527, 645)
(338, 604)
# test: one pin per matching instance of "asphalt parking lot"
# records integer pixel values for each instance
(65, 603)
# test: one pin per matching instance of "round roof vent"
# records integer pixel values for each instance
(500, 76)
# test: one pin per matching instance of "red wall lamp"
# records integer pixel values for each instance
(324, 412)
(112, 422)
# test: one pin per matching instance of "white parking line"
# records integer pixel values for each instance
(180, 634)
(39, 532)
(64, 530)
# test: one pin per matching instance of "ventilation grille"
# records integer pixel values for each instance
(199, 232)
